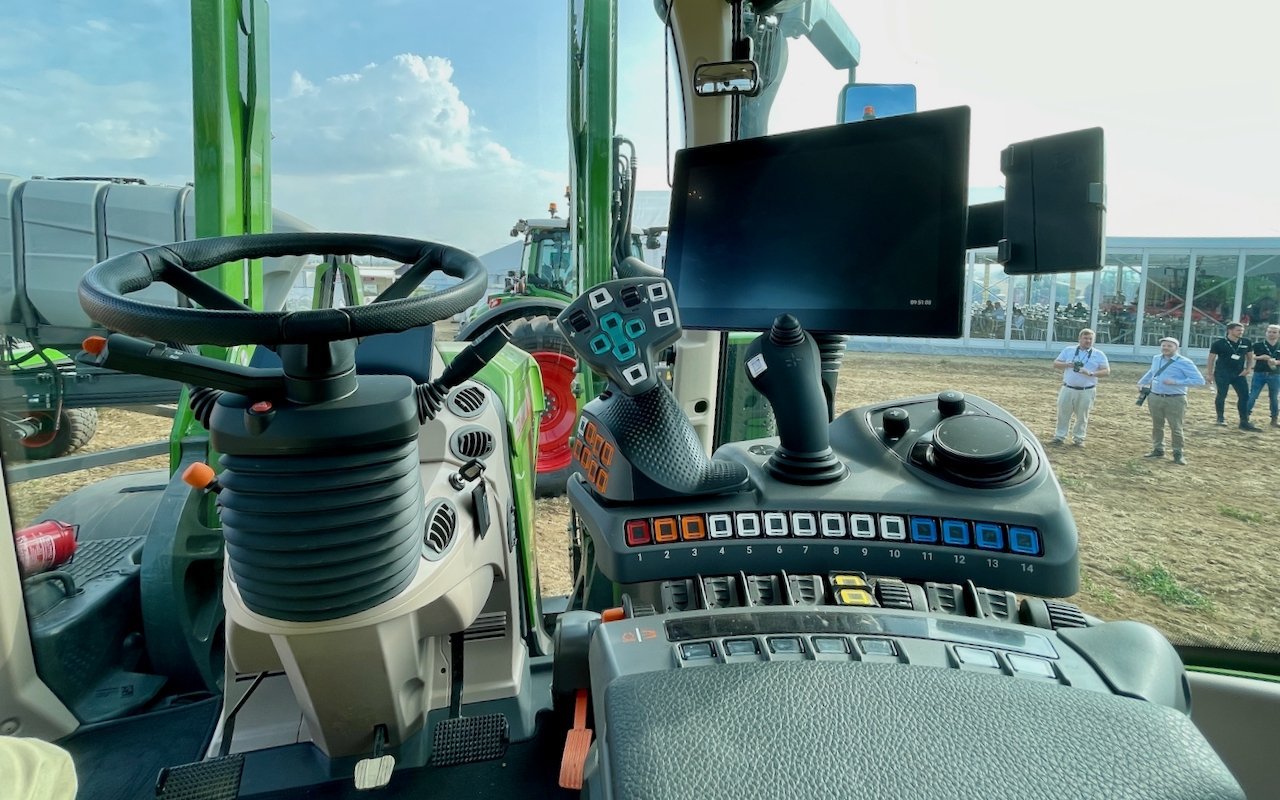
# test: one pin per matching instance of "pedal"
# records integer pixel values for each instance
(375, 771)
(463, 740)
(214, 779)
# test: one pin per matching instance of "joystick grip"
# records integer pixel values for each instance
(643, 447)
(785, 366)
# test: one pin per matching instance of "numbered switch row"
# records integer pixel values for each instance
(834, 525)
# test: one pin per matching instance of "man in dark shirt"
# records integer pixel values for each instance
(1266, 372)
(1230, 363)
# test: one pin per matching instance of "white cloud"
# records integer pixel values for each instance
(402, 115)
(122, 138)
(393, 149)
(298, 85)
(62, 122)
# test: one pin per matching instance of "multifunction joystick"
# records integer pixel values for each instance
(785, 366)
(633, 442)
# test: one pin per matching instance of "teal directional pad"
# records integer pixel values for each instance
(617, 336)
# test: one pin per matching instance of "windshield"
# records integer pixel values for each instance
(552, 263)
(1192, 243)
(399, 119)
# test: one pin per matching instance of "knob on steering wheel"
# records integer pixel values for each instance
(224, 320)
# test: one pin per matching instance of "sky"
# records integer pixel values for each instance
(448, 121)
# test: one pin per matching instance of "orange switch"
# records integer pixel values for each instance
(693, 527)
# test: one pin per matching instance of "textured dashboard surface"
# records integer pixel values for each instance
(814, 729)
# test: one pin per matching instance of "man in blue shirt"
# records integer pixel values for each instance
(1081, 366)
(1167, 380)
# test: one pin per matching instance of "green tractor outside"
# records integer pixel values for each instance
(531, 297)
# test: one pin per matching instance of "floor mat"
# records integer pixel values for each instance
(120, 760)
(529, 770)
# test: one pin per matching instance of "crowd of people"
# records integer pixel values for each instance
(1234, 364)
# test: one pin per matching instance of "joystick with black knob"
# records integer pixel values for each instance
(785, 366)
(951, 403)
(896, 422)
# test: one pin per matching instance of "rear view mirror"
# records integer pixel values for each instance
(861, 101)
(726, 77)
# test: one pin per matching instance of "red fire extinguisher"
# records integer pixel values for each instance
(44, 546)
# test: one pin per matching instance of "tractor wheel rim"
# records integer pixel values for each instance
(48, 431)
(561, 410)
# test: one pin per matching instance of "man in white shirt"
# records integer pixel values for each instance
(1081, 365)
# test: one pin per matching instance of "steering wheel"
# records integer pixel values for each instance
(224, 320)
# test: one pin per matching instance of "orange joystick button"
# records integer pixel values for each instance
(198, 475)
(94, 345)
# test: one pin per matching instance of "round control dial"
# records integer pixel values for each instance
(978, 448)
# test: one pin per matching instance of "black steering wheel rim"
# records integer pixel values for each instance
(103, 290)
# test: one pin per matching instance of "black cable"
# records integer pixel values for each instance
(456, 647)
(229, 727)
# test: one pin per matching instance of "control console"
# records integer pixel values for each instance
(943, 487)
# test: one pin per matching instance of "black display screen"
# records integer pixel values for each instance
(856, 228)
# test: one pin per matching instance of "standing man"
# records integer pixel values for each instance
(1168, 379)
(1081, 366)
(1230, 362)
(1266, 371)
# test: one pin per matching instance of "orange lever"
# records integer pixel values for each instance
(612, 614)
(199, 475)
(94, 345)
(576, 744)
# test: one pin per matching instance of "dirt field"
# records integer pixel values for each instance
(1188, 549)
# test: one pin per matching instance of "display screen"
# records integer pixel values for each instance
(856, 228)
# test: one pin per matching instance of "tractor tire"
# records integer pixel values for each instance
(76, 427)
(539, 337)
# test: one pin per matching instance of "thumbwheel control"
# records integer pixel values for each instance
(978, 448)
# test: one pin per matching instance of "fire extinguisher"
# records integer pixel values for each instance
(44, 546)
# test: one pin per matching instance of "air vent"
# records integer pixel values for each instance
(492, 625)
(471, 442)
(442, 524)
(467, 402)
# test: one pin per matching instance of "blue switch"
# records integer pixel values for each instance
(1024, 541)
(989, 535)
(924, 530)
(955, 532)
